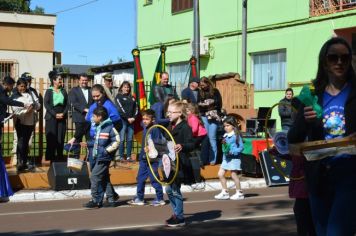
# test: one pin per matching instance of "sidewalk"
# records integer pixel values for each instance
(130, 190)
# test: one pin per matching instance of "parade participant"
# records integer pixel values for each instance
(162, 90)
(183, 137)
(191, 93)
(100, 99)
(110, 89)
(103, 145)
(210, 104)
(128, 110)
(148, 119)
(25, 123)
(232, 147)
(160, 109)
(81, 99)
(285, 109)
(56, 104)
(331, 181)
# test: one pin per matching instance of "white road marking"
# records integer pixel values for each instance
(125, 206)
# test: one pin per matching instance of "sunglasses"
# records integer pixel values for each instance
(334, 58)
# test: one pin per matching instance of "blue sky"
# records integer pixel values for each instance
(95, 33)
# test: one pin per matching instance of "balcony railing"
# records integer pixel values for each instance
(323, 7)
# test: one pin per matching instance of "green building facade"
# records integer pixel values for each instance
(283, 39)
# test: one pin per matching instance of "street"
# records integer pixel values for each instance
(266, 211)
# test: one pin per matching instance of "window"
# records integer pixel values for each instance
(179, 75)
(147, 2)
(9, 68)
(269, 70)
(181, 5)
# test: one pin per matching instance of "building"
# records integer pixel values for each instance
(123, 71)
(26, 44)
(283, 39)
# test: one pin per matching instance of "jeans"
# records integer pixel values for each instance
(143, 173)
(333, 208)
(128, 131)
(211, 127)
(100, 177)
(176, 199)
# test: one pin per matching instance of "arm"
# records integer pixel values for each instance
(188, 144)
(284, 110)
(193, 122)
(64, 92)
(218, 100)
(73, 99)
(47, 103)
(121, 110)
(115, 140)
(236, 149)
(158, 93)
(10, 102)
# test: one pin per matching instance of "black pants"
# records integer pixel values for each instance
(55, 133)
(23, 137)
(303, 217)
(82, 129)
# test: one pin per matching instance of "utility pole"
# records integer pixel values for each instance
(196, 41)
(244, 39)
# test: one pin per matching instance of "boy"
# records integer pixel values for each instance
(104, 144)
(148, 118)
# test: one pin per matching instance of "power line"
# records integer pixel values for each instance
(72, 8)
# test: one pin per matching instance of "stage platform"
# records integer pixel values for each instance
(123, 174)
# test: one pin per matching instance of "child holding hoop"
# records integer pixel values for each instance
(232, 146)
(183, 137)
(144, 172)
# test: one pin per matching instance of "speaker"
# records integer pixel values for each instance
(249, 165)
(275, 170)
(62, 178)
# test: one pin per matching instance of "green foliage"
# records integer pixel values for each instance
(22, 6)
(38, 10)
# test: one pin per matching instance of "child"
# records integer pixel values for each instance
(199, 132)
(232, 147)
(104, 144)
(183, 137)
(148, 119)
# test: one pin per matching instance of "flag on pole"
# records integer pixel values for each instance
(193, 69)
(139, 93)
(160, 67)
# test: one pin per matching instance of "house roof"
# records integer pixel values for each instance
(74, 69)
(234, 75)
(112, 67)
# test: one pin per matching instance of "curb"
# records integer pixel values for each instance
(130, 190)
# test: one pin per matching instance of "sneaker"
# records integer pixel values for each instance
(222, 196)
(174, 221)
(92, 204)
(152, 151)
(237, 196)
(136, 202)
(129, 159)
(158, 203)
(172, 153)
(116, 196)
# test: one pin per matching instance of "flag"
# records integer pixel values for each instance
(160, 67)
(139, 93)
(193, 69)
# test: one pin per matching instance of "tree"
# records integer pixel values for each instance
(22, 6)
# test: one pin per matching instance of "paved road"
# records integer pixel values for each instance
(265, 211)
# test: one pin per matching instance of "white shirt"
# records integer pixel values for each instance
(86, 93)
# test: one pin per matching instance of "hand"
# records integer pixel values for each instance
(29, 108)
(178, 148)
(83, 144)
(131, 120)
(59, 116)
(309, 114)
(146, 149)
(71, 141)
(86, 110)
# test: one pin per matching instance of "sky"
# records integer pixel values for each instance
(92, 32)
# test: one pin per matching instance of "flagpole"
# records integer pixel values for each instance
(196, 41)
(244, 39)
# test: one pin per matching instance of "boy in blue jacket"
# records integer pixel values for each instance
(104, 144)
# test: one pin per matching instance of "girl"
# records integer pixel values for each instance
(232, 146)
(183, 137)
(198, 130)
(128, 110)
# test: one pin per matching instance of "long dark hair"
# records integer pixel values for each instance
(231, 120)
(322, 79)
(206, 94)
(122, 85)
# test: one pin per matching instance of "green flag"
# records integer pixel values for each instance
(160, 67)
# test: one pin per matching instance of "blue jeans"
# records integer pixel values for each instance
(175, 199)
(211, 127)
(143, 173)
(127, 131)
(334, 208)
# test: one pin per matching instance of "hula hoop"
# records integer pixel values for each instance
(149, 161)
(267, 142)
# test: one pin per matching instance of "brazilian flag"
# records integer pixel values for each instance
(160, 67)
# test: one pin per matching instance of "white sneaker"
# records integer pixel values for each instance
(152, 152)
(237, 196)
(222, 196)
(172, 153)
